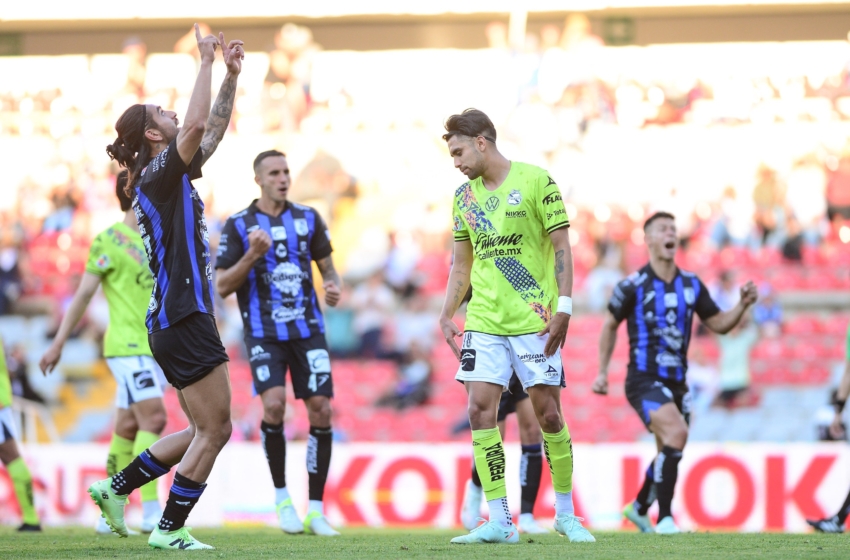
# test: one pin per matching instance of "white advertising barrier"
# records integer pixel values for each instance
(744, 487)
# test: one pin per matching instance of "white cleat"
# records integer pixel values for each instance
(571, 527)
(667, 527)
(289, 521)
(490, 533)
(470, 513)
(642, 522)
(317, 524)
(529, 525)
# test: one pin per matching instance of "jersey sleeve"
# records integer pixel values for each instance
(164, 173)
(320, 244)
(705, 305)
(459, 228)
(550, 205)
(622, 299)
(230, 248)
(100, 262)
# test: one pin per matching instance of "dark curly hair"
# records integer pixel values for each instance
(130, 149)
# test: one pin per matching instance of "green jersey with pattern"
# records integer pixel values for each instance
(117, 256)
(514, 289)
(5, 382)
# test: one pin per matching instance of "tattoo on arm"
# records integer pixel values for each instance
(219, 118)
(559, 262)
(326, 267)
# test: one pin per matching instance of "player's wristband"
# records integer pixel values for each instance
(565, 305)
(839, 405)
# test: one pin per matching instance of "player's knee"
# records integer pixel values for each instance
(676, 437)
(321, 413)
(154, 422)
(481, 417)
(551, 421)
(222, 434)
(274, 411)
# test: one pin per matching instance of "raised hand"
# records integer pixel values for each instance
(233, 52)
(206, 45)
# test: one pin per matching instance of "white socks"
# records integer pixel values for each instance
(499, 512)
(564, 503)
(280, 495)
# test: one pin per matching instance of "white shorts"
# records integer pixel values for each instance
(139, 378)
(8, 432)
(493, 359)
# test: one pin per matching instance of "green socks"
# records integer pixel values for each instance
(120, 454)
(22, 481)
(489, 457)
(143, 441)
(558, 449)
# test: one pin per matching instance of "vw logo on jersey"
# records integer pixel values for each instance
(301, 227)
(278, 233)
(280, 250)
(515, 198)
(492, 203)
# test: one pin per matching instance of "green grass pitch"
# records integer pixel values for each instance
(419, 544)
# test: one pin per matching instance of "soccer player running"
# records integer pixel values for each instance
(117, 261)
(514, 400)
(835, 524)
(265, 255)
(512, 246)
(658, 302)
(163, 159)
(11, 457)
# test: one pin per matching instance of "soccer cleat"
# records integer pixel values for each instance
(527, 524)
(490, 532)
(642, 522)
(316, 524)
(667, 527)
(150, 523)
(471, 510)
(571, 527)
(829, 525)
(176, 540)
(111, 505)
(29, 528)
(288, 517)
(103, 529)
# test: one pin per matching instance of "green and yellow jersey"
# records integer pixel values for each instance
(514, 289)
(5, 382)
(117, 256)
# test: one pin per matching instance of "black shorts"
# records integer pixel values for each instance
(646, 394)
(514, 394)
(307, 359)
(188, 350)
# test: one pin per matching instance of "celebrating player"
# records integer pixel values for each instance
(117, 260)
(835, 524)
(11, 457)
(514, 400)
(163, 159)
(511, 233)
(265, 256)
(658, 303)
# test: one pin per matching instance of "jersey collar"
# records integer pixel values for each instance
(254, 209)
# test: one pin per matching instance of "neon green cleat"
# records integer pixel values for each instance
(570, 525)
(111, 505)
(490, 532)
(176, 540)
(642, 522)
(317, 524)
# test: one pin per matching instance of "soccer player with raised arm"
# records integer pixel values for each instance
(658, 303)
(117, 262)
(265, 255)
(163, 159)
(18, 471)
(514, 400)
(835, 524)
(512, 246)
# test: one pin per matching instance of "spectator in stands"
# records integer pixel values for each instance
(735, 349)
(600, 282)
(702, 379)
(825, 421)
(838, 189)
(287, 84)
(805, 197)
(16, 362)
(402, 261)
(65, 201)
(768, 199)
(373, 302)
(792, 245)
(11, 281)
(414, 380)
(724, 291)
(734, 223)
(767, 312)
(136, 52)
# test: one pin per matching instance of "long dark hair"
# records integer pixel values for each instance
(130, 149)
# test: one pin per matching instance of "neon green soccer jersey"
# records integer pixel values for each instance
(513, 272)
(5, 382)
(118, 257)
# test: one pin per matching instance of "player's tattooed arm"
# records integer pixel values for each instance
(563, 261)
(219, 118)
(329, 272)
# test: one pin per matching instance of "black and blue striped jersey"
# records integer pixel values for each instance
(171, 221)
(278, 301)
(659, 317)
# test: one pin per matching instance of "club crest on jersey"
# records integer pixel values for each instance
(280, 251)
(278, 233)
(103, 261)
(515, 198)
(690, 296)
(492, 203)
(301, 227)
